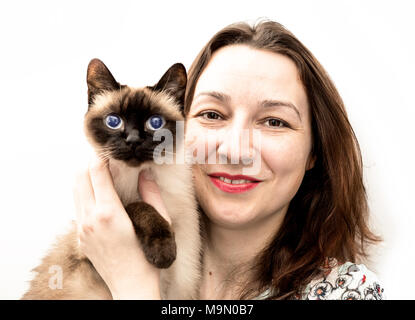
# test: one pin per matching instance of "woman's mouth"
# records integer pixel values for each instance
(233, 183)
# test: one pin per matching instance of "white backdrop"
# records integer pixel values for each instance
(366, 46)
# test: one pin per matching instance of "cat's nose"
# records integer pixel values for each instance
(133, 137)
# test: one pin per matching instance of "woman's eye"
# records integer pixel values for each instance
(113, 121)
(155, 122)
(276, 123)
(210, 115)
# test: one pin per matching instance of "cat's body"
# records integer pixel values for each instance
(177, 194)
(178, 248)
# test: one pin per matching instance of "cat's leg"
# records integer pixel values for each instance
(154, 232)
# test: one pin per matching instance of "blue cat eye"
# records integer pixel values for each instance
(113, 121)
(155, 122)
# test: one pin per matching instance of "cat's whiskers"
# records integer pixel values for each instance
(164, 152)
(105, 153)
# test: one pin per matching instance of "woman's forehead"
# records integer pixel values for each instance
(252, 75)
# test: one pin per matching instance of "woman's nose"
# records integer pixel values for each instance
(237, 145)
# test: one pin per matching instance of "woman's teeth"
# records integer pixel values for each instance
(234, 181)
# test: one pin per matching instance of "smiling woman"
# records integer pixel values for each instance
(289, 230)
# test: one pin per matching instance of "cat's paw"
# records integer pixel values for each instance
(160, 249)
(155, 234)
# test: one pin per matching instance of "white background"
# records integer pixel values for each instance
(367, 47)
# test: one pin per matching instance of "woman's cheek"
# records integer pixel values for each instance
(190, 133)
(195, 142)
(283, 153)
(202, 143)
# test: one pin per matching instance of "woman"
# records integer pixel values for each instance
(296, 227)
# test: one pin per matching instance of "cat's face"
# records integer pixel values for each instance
(121, 121)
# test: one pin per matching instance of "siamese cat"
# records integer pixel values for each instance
(121, 124)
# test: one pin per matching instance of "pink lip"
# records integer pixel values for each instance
(233, 188)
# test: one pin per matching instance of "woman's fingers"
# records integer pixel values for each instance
(83, 194)
(150, 193)
(102, 182)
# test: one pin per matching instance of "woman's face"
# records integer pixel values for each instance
(244, 90)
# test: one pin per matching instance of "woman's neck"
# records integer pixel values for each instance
(229, 253)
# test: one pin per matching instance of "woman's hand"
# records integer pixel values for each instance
(107, 235)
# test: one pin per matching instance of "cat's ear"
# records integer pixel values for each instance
(99, 79)
(173, 82)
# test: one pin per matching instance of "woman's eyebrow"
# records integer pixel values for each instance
(222, 97)
(277, 103)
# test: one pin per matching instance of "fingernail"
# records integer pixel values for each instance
(147, 175)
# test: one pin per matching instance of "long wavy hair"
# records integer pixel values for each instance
(328, 216)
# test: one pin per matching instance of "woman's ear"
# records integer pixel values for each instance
(310, 161)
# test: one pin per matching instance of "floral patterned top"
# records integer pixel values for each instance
(348, 281)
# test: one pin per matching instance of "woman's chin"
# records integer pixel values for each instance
(232, 218)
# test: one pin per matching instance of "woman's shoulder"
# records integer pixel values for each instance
(344, 281)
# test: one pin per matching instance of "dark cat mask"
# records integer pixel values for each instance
(121, 121)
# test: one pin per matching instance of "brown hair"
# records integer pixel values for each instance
(328, 215)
